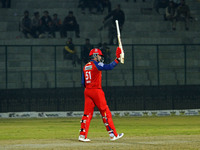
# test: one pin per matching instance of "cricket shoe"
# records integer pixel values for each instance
(83, 139)
(117, 137)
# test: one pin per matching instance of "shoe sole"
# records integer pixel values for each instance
(83, 140)
(118, 138)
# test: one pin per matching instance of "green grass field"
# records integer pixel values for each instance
(148, 133)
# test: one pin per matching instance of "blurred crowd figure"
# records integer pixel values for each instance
(36, 25)
(26, 25)
(94, 6)
(178, 11)
(56, 25)
(70, 24)
(85, 50)
(109, 20)
(70, 53)
(171, 14)
(106, 52)
(183, 13)
(47, 26)
(6, 3)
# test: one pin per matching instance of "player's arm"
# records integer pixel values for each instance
(83, 79)
(102, 66)
(108, 16)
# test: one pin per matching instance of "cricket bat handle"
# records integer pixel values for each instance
(120, 43)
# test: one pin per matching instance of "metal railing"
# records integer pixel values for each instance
(188, 58)
(150, 75)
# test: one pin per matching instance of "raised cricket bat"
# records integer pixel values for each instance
(120, 42)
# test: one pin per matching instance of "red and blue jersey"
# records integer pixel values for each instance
(92, 76)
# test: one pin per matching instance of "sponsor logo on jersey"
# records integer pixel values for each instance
(88, 67)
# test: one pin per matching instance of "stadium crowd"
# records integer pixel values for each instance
(175, 10)
(46, 26)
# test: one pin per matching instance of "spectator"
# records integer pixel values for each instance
(85, 50)
(6, 3)
(116, 14)
(171, 14)
(106, 51)
(46, 24)
(26, 25)
(69, 52)
(70, 24)
(36, 28)
(160, 4)
(183, 13)
(56, 25)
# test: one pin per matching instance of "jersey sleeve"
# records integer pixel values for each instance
(102, 66)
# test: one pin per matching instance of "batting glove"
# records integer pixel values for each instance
(118, 52)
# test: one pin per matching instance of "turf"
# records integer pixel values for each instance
(172, 132)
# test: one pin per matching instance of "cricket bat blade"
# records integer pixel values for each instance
(120, 43)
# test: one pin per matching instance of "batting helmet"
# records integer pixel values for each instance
(95, 51)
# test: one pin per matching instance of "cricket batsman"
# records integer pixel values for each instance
(94, 95)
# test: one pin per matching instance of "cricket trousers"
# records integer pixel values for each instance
(96, 97)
